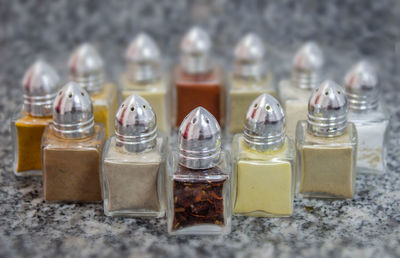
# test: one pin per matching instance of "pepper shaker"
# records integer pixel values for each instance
(71, 149)
(197, 81)
(370, 117)
(326, 146)
(86, 67)
(263, 162)
(144, 77)
(248, 80)
(40, 85)
(134, 163)
(198, 180)
(295, 93)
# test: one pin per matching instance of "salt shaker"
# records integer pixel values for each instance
(248, 80)
(71, 149)
(370, 117)
(326, 146)
(40, 85)
(263, 162)
(198, 178)
(294, 93)
(86, 67)
(197, 80)
(144, 77)
(134, 163)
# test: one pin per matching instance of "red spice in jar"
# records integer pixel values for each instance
(198, 197)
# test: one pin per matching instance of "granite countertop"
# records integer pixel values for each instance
(367, 226)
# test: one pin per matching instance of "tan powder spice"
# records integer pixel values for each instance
(132, 186)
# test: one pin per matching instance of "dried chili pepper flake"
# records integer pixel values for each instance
(200, 201)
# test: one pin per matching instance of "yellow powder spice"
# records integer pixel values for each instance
(264, 180)
(295, 110)
(264, 187)
(158, 102)
(105, 105)
(241, 95)
(239, 103)
(156, 93)
(30, 131)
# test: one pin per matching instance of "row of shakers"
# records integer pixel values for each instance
(147, 168)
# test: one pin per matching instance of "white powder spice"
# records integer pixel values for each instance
(371, 139)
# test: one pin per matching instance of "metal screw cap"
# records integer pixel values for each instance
(135, 125)
(199, 140)
(264, 127)
(195, 51)
(86, 67)
(361, 85)
(327, 110)
(40, 84)
(73, 112)
(307, 65)
(249, 55)
(143, 59)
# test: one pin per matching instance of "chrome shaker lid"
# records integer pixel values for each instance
(86, 67)
(195, 51)
(361, 85)
(143, 59)
(135, 125)
(199, 140)
(265, 124)
(307, 66)
(327, 110)
(73, 112)
(249, 55)
(40, 85)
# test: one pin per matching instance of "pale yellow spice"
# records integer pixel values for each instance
(242, 94)
(264, 183)
(156, 94)
(105, 104)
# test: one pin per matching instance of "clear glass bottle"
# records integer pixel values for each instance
(198, 179)
(40, 85)
(86, 67)
(197, 81)
(326, 146)
(144, 77)
(248, 80)
(371, 118)
(263, 178)
(133, 165)
(71, 149)
(295, 93)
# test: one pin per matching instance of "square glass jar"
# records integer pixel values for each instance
(263, 182)
(26, 134)
(326, 166)
(134, 182)
(71, 167)
(105, 105)
(373, 138)
(193, 90)
(199, 201)
(242, 92)
(157, 94)
(295, 102)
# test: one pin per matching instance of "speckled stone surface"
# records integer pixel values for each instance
(367, 226)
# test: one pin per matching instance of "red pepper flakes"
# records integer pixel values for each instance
(198, 200)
